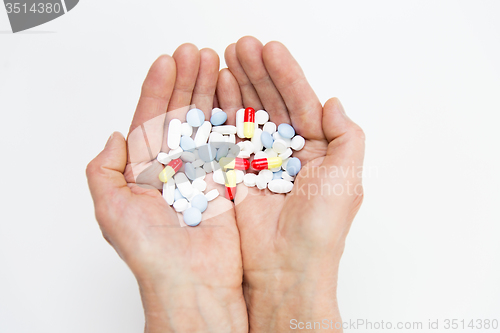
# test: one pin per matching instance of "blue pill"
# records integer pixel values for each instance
(200, 202)
(187, 144)
(277, 174)
(190, 171)
(195, 117)
(286, 131)
(222, 152)
(192, 216)
(218, 118)
(207, 152)
(266, 139)
(293, 166)
(177, 195)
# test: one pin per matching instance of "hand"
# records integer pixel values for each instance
(189, 278)
(292, 244)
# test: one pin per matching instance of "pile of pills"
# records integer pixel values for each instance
(263, 158)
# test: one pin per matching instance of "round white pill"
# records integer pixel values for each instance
(218, 176)
(267, 175)
(261, 117)
(181, 205)
(286, 176)
(200, 184)
(286, 154)
(175, 153)
(163, 158)
(249, 179)
(260, 181)
(187, 156)
(198, 163)
(244, 154)
(239, 176)
(260, 154)
(200, 173)
(212, 194)
(279, 146)
(269, 127)
(280, 186)
(215, 110)
(298, 142)
(270, 152)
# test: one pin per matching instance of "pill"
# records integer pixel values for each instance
(218, 118)
(177, 194)
(222, 152)
(192, 216)
(169, 191)
(267, 174)
(256, 140)
(293, 166)
(225, 129)
(234, 163)
(207, 152)
(193, 194)
(189, 171)
(187, 156)
(218, 176)
(181, 205)
(186, 129)
(286, 131)
(283, 165)
(215, 110)
(261, 117)
(195, 117)
(232, 139)
(240, 127)
(170, 170)
(286, 176)
(275, 169)
(230, 182)
(175, 153)
(279, 146)
(280, 186)
(200, 173)
(174, 133)
(260, 154)
(249, 179)
(286, 154)
(244, 154)
(209, 166)
(239, 176)
(269, 127)
(187, 143)
(270, 153)
(266, 139)
(276, 136)
(277, 174)
(249, 122)
(260, 182)
(266, 163)
(216, 137)
(202, 134)
(183, 184)
(199, 201)
(298, 142)
(198, 163)
(163, 158)
(199, 184)
(212, 194)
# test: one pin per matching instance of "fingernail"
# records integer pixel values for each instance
(109, 140)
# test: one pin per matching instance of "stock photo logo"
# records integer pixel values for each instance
(27, 14)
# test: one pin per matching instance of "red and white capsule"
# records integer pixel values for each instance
(249, 123)
(234, 163)
(267, 163)
(230, 182)
(170, 170)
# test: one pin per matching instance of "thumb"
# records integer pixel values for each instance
(105, 172)
(346, 139)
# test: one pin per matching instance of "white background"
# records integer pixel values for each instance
(421, 77)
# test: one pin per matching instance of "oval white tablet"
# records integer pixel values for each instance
(169, 191)
(211, 195)
(298, 142)
(280, 186)
(183, 184)
(240, 118)
(163, 158)
(181, 205)
(225, 129)
(249, 179)
(202, 134)
(174, 133)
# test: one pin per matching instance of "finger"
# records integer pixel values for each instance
(204, 89)
(347, 139)
(156, 91)
(187, 60)
(105, 173)
(303, 105)
(249, 53)
(248, 92)
(229, 95)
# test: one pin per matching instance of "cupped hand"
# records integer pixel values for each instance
(189, 278)
(292, 244)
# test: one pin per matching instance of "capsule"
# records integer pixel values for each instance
(170, 170)
(249, 123)
(230, 181)
(234, 163)
(267, 163)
